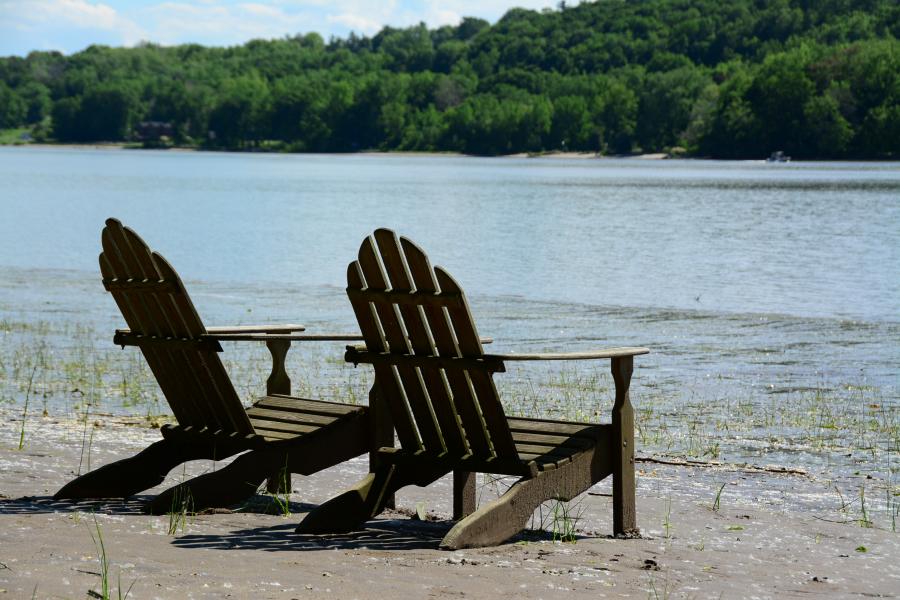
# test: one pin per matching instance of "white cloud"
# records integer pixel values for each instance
(262, 10)
(67, 19)
(77, 13)
(441, 16)
(355, 22)
(180, 22)
(75, 24)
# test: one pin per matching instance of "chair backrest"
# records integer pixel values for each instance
(428, 360)
(165, 325)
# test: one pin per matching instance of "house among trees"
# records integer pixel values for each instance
(154, 131)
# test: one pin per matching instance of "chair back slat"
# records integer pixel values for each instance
(134, 313)
(437, 416)
(464, 430)
(140, 319)
(431, 340)
(398, 342)
(209, 372)
(482, 380)
(387, 376)
(154, 303)
(136, 262)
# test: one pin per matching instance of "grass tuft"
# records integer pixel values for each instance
(105, 589)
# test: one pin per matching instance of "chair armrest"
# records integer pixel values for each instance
(214, 332)
(289, 328)
(362, 347)
(589, 355)
(285, 337)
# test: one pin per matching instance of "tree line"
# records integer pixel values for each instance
(737, 79)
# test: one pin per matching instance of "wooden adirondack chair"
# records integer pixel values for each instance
(290, 434)
(436, 381)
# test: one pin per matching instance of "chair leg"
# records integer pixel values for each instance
(506, 516)
(279, 481)
(464, 502)
(624, 510)
(367, 499)
(227, 486)
(240, 479)
(129, 476)
(350, 510)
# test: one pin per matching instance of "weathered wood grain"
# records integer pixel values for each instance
(431, 369)
(281, 432)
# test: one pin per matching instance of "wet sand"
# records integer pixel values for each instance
(687, 549)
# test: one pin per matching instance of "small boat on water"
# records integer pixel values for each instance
(778, 157)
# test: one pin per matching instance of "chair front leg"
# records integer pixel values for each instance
(127, 477)
(367, 499)
(624, 510)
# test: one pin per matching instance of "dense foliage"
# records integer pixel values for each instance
(815, 78)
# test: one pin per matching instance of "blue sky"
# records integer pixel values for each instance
(71, 25)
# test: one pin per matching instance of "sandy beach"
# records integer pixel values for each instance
(766, 415)
(687, 549)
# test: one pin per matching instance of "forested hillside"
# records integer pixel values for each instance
(726, 79)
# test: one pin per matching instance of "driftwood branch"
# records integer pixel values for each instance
(746, 468)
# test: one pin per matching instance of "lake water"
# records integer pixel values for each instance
(768, 293)
(809, 240)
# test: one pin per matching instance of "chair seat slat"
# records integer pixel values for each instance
(318, 407)
(540, 439)
(262, 414)
(567, 428)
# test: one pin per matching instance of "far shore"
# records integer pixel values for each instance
(549, 154)
(554, 154)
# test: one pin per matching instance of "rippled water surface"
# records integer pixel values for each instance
(769, 294)
(812, 239)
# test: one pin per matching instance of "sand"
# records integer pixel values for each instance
(687, 550)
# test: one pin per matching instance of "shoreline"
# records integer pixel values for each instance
(687, 548)
(550, 154)
(413, 153)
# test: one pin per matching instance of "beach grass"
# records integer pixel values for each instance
(105, 592)
(13, 137)
(847, 434)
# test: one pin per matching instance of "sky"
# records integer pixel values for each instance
(72, 25)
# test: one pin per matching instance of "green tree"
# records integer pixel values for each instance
(107, 113)
(13, 109)
(731, 79)
(36, 97)
(240, 114)
(66, 119)
(827, 131)
(571, 128)
(615, 113)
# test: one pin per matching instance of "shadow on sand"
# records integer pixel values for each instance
(381, 534)
(38, 505)
(400, 533)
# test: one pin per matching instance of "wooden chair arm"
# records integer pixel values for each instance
(214, 332)
(285, 337)
(278, 345)
(287, 328)
(362, 347)
(589, 355)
